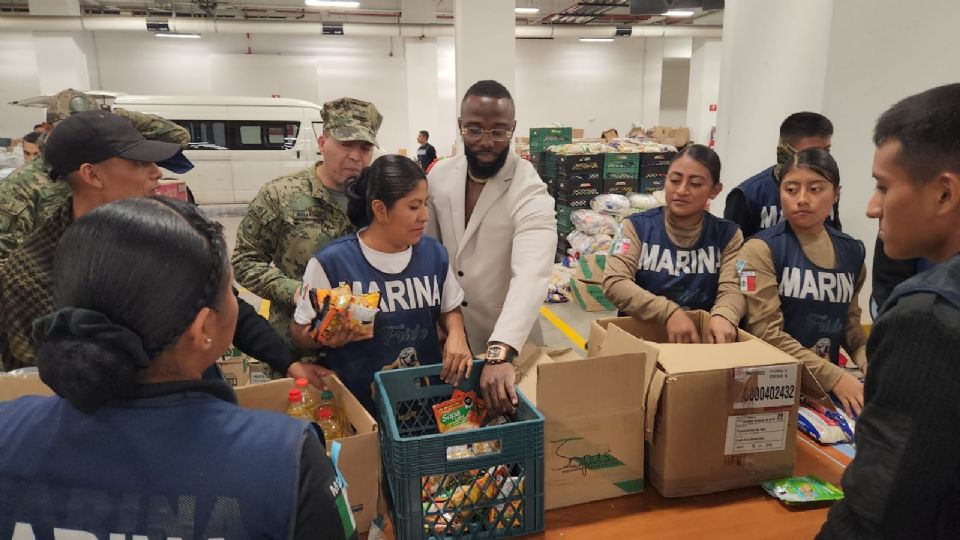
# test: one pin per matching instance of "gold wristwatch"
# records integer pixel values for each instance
(498, 353)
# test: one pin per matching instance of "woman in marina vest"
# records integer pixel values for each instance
(802, 279)
(136, 443)
(389, 254)
(680, 257)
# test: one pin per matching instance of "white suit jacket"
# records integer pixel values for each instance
(504, 257)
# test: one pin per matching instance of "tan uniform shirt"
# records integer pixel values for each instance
(621, 288)
(765, 318)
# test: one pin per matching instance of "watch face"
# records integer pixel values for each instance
(496, 352)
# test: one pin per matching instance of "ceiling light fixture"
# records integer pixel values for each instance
(181, 35)
(678, 13)
(596, 39)
(526, 10)
(344, 4)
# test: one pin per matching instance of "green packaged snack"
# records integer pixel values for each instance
(802, 489)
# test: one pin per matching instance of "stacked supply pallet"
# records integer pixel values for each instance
(578, 179)
(653, 171)
(620, 173)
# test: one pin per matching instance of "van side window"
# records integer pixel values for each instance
(206, 134)
(241, 134)
(263, 135)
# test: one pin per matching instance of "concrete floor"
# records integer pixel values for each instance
(570, 313)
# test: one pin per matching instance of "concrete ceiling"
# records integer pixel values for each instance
(565, 12)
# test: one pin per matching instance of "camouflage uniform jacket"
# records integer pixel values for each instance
(28, 197)
(288, 221)
(26, 288)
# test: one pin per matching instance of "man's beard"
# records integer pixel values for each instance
(479, 170)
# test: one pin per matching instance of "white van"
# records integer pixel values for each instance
(237, 144)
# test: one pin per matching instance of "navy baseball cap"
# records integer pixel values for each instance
(95, 136)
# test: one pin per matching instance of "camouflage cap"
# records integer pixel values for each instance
(70, 101)
(349, 119)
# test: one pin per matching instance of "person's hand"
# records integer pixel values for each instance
(457, 360)
(721, 330)
(497, 388)
(680, 328)
(850, 393)
(311, 372)
(343, 335)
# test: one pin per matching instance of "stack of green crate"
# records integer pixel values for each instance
(621, 172)
(543, 138)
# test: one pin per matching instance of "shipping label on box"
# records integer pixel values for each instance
(717, 416)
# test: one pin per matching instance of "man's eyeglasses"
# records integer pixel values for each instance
(475, 134)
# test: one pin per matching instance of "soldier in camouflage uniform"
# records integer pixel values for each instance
(295, 215)
(28, 197)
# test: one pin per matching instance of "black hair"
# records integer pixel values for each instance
(703, 155)
(805, 124)
(425, 134)
(821, 162)
(35, 126)
(31, 137)
(389, 178)
(927, 125)
(128, 278)
(490, 89)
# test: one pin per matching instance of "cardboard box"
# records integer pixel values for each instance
(594, 411)
(235, 370)
(258, 372)
(718, 417)
(590, 268)
(29, 384)
(359, 459)
(589, 296)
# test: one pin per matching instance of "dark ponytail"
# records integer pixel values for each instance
(388, 179)
(129, 278)
(704, 155)
(821, 162)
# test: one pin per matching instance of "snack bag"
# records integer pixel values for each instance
(363, 311)
(454, 414)
(802, 489)
(332, 310)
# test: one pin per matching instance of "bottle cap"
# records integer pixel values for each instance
(301, 382)
(295, 396)
(326, 395)
(325, 413)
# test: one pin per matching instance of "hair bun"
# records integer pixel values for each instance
(85, 358)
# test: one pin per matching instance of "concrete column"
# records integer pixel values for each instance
(420, 55)
(866, 74)
(652, 82)
(704, 88)
(774, 64)
(485, 43)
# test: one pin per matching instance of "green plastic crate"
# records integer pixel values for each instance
(622, 166)
(563, 216)
(413, 452)
(543, 138)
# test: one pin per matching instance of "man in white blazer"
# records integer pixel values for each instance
(492, 212)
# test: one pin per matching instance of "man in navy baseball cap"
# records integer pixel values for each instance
(103, 159)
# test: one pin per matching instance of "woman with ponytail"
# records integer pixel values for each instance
(802, 278)
(133, 429)
(389, 255)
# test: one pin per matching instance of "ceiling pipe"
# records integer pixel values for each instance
(111, 23)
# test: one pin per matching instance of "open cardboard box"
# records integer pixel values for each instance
(718, 417)
(359, 459)
(593, 410)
